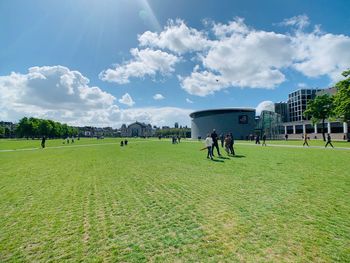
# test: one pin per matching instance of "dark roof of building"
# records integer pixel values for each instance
(209, 112)
(139, 123)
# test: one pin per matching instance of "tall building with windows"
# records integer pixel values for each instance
(281, 108)
(297, 102)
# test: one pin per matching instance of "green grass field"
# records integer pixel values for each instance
(154, 201)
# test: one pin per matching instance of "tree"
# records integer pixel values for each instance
(2, 132)
(342, 97)
(45, 128)
(320, 109)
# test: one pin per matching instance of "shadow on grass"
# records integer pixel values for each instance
(223, 157)
(216, 160)
(238, 156)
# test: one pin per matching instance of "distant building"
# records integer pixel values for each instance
(136, 129)
(281, 108)
(239, 121)
(296, 124)
(297, 102)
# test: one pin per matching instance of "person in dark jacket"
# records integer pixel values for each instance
(214, 136)
(43, 140)
(329, 141)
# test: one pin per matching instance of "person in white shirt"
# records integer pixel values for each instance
(209, 144)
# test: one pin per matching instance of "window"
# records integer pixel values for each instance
(243, 119)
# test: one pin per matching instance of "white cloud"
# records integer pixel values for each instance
(189, 101)
(202, 83)
(176, 37)
(235, 26)
(158, 97)
(58, 93)
(300, 21)
(302, 85)
(322, 54)
(145, 62)
(127, 100)
(265, 105)
(236, 54)
(158, 116)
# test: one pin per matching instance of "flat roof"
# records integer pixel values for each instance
(208, 112)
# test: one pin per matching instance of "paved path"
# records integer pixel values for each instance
(59, 147)
(294, 146)
(192, 141)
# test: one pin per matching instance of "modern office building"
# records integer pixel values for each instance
(296, 124)
(297, 102)
(281, 108)
(239, 121)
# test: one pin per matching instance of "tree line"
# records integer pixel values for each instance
(36, 128)
(325, 107)
(182, 132)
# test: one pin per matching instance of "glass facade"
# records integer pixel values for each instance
(297, 103)
(270, 123)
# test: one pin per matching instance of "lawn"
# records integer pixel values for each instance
(154, 201)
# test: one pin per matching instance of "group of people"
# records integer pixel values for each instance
(43, 141)
(125, 142)
(257, 140)
(211, 142)
(175, 139)
(328, 141)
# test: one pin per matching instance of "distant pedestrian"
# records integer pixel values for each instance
(72, 139)
(209, 145)
(173, 139)
(178, 139)
(329, 141)
(286, 137)
(121, 143)
(67, 140)
(228, 142)
(222, 139)
(257, 139)
(214, 136)
(125, 142)
(305, 140)
(43, 140)
(264, 140)
(232, 143)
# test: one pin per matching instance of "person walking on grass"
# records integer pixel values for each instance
(214, 136)
(231, 144)
(329, 141)
(305, 140)
(264, 140)
(209, 145)
(222, 139)
(43, 140)
(228, 142)
(257, 139)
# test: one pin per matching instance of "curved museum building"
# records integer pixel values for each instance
(239, 121)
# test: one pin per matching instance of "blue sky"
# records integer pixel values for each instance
(157, 60)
